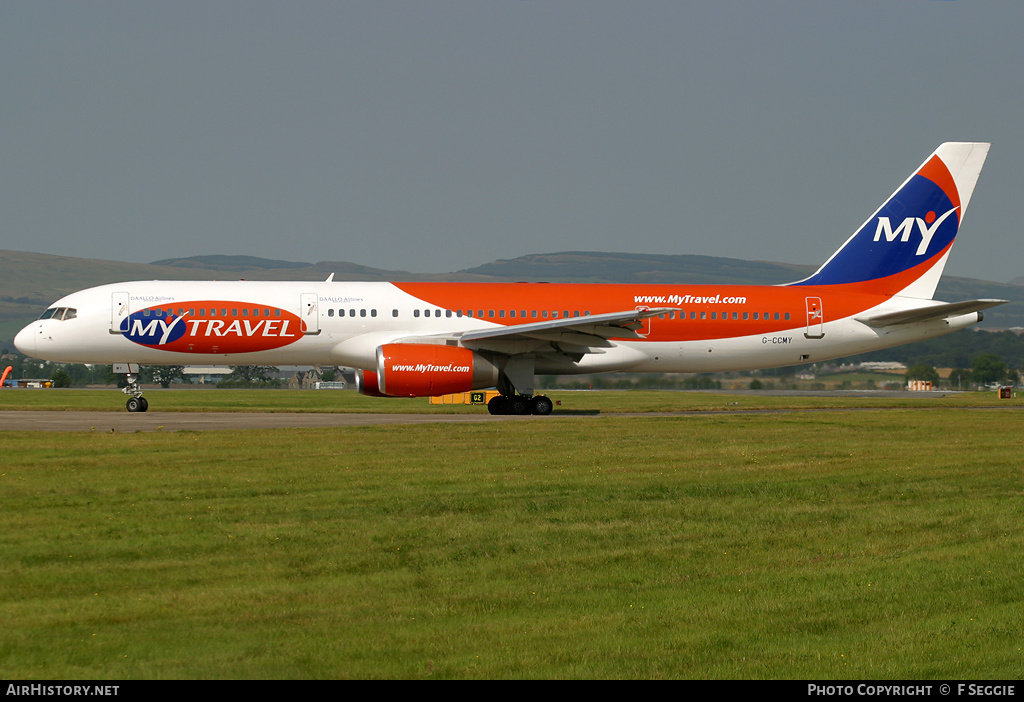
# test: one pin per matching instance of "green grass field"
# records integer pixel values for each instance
(873, 543)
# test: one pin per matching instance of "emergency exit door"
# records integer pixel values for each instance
(815, 319)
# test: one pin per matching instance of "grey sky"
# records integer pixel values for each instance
(433, 136)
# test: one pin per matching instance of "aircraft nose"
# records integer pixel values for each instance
(25, 341)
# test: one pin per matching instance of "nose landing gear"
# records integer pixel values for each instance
(135, 403)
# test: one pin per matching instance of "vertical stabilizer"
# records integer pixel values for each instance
(903, 246)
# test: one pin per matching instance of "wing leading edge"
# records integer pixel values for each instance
(588, 333)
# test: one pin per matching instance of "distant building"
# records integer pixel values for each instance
(883, 366)
(206, 374)
(304, 380)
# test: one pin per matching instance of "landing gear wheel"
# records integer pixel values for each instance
(498, 405)
(541, 405)
(137, 404)
(518, 405)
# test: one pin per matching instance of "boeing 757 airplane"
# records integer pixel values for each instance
(424, 339)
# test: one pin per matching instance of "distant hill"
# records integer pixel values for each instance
(229, 263)
(597, 267)
(29, 282)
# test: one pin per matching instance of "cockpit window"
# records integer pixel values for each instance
(59, 313)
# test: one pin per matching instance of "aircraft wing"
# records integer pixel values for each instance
(587, 334)
(927, 313)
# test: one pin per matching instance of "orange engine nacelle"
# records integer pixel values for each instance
(426, 370)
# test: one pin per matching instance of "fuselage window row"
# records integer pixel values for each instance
(212, 312)
(501, 314)
(361, 313)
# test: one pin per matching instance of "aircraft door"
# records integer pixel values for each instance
(815, 319)
(120, 309)
(645, 324)
(309, 312)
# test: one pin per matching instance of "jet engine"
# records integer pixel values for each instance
(425, 370)
(366, 383)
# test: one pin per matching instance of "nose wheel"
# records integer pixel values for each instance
(135, 403)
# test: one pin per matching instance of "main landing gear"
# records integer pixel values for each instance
(520, 404)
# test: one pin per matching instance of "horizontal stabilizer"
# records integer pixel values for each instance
(924, 314)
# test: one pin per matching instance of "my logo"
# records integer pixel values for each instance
(155, 331)
(214, 327)
(927, 227)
